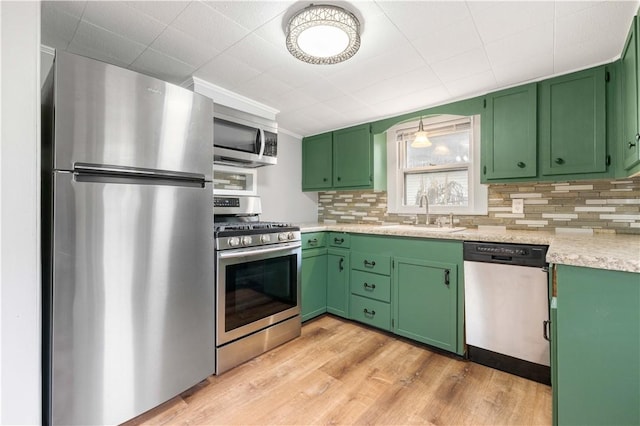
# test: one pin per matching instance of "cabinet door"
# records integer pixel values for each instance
(338, 282)
(554, 360)
(425, 302)
(317, 162)
(598, 347)
(573, 123)
(353, 157)
(630, 110)
(509, 140)
(314, 283)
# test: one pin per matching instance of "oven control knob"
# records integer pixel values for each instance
(234, 242)
(283, 236)
(246, 240)
(290, 236)
(265, 238)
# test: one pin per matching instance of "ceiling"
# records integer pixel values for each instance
(414, 54)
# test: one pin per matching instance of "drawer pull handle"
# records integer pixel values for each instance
(521, 164)
(369, 312)
(313, 241)
(370, 264)
(559, 160)
(368, 286)
(338, 240)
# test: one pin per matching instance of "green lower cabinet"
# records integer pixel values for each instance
(597, 347)
(425, 302)
(553, 314)
(338, 282)
(313, 284)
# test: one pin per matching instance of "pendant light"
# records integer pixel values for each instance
(421, 140)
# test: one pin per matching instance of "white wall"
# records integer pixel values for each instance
(20, 346)
(280, 186)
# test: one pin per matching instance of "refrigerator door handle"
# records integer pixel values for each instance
(87, 169)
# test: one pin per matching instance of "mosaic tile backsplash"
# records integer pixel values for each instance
(601, 205)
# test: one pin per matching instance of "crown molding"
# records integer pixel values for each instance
(231, 99)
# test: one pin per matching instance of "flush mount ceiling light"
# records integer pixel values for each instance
(421, 140)
(323, 34)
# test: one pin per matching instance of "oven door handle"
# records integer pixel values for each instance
(253, 252)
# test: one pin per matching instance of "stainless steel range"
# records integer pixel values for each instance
(257, 281)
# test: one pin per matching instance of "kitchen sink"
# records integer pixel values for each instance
(429, 228)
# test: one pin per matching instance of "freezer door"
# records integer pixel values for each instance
(109, 115)
(132, 318)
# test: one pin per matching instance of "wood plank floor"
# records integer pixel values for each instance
(339, 372)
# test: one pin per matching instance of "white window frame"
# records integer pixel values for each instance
(478, 193)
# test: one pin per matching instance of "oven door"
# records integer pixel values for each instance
(256, 288)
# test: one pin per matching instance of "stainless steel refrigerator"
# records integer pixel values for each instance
(128, 259)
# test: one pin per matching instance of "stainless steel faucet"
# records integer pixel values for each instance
(425, 200)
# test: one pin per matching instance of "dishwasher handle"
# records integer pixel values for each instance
(502, 258)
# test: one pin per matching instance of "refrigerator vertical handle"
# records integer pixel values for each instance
(262, 143)
(545, 330)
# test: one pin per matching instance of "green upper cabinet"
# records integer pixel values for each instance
(352, 157)
(630, 98)
(509, 140)
(317, 162)
(573, 123)
(349, 158)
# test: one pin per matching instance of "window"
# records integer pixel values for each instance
(447, 171)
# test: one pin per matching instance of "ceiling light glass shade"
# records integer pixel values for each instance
(421, 140)
(323, 34)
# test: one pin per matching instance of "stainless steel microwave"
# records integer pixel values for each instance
(243, 139)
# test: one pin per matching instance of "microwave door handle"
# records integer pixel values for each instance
(261, 143)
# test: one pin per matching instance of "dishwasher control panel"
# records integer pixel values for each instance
(514, 254)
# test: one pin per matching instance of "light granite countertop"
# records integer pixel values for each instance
(614, 252)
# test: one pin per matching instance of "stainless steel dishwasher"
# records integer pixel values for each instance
(507, 308)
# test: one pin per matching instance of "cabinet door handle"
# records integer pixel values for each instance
(369, 312)
(631, 144)
(368, 286)
(447, 279)
(559, 160)
(341, 264)
(369, 264)
(339, 178)
(521, 164)
(338, 240)
(545, 330)
(324, 179)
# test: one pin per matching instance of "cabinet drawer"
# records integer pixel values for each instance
(371, 285)
(313, 240)
(339, 239)
(372, 312)
(367, 262)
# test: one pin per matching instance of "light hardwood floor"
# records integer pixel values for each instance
(339, 372)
